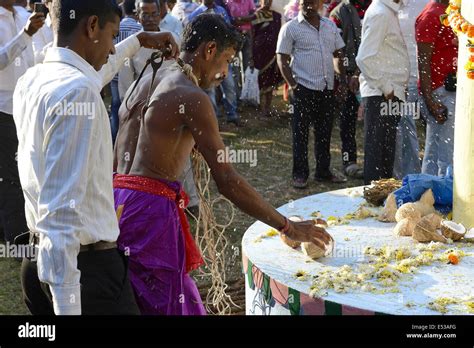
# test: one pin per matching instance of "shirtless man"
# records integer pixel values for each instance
(149, 200)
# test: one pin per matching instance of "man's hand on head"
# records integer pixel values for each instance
(35, 22)
(159, 41)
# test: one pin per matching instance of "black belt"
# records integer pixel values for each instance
(101, 245)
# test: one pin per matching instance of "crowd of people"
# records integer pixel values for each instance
(390, 62)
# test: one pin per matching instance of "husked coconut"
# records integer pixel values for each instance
(288, 241)
(425, 231)
(452, 230)
(389, 210)
(435, 219)
(405, 227)
(407, 210)
(315, 252)
(426, 203)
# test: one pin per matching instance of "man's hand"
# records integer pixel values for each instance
(354, 84)
(437, 109)
(307, 231)
(159, 41)
(35, 22)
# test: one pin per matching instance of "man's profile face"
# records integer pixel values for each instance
(218, 68)
(105, 43)
(149, 16)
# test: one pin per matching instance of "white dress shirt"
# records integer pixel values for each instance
(43, 39)
(131, 69)
(172, 24)
(65, 163)
(16, 54)
(383, 57)
(183, 9)
(311, 51)
(407, 17)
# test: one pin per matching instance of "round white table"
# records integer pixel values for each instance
(270, 267)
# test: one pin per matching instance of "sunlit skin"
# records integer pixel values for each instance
(180, 115)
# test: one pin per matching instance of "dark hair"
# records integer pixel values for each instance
(210, 27)
(66, 14)
(128, 7)
(138, 2)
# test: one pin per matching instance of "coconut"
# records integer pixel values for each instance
(315, 252)
(435, 220)
(427, 198)
(469, 236)
(452, 230)
(405, 227)
(425, 231)
(407, 210)
(288, 241)
(389, 210)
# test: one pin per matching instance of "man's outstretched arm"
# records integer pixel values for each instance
(202, 122)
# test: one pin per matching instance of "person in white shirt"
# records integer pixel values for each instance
(384, 64)
(16, 55)
(44, 38)
(183, 9)
(168, 21)
(407, 159)
(65, 160)
(148, 12)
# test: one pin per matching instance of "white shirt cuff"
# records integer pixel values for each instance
(66, 300)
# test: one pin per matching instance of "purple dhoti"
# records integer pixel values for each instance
(160, 248)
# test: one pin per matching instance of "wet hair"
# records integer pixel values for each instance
(66, 14)
(138, 2)
(210, 27)
(129, 7)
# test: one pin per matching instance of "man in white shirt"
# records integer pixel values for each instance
(384, 65)
(183, 9)
(45, 36)
(407, 159)
(65, 161)
(168, 21)
(16, 56)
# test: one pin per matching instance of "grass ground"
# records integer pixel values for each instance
(271, 177)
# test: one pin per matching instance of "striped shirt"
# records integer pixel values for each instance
(128, 27)
(311, 51)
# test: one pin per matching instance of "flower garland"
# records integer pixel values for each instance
(460, 25)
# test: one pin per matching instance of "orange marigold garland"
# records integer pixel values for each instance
(460, 25)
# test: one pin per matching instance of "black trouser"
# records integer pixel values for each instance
(380, 130)
(316, 108)
(347, 125)
(12, 202)
(105, 286)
